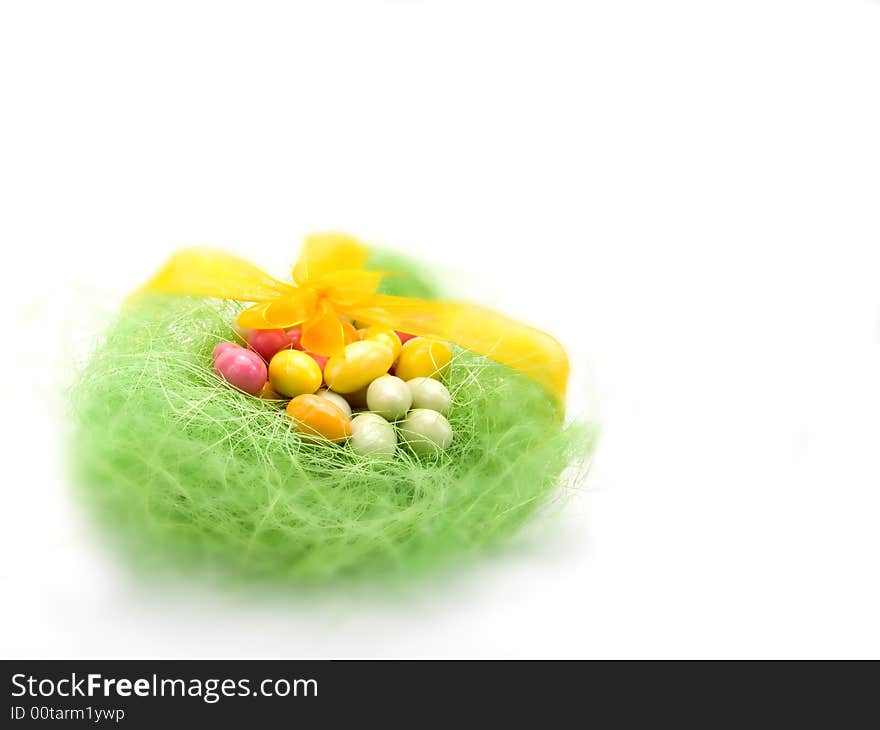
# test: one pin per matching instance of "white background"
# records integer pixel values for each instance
(685, 192)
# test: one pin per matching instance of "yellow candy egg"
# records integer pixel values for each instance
(315, 416)
(293, 373)
(357, 366)
(423, 358)
(385, 335)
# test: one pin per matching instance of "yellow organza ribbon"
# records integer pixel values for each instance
(330, 281)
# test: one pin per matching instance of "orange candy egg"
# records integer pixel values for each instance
(314, 416)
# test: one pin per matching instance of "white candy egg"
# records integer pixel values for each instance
(336, 399)
(426, 431)
(389, 397)
(429, 393)
(372, 435)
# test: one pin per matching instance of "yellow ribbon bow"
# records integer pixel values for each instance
(331, 281)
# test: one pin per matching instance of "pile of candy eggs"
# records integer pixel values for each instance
(384, 388)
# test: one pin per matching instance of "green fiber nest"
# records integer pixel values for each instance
(188, 471)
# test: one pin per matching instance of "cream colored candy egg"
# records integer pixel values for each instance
(389, 397)
(429, 393)
(372, 435)
(426, 431)
(358, 365)
(337, 399)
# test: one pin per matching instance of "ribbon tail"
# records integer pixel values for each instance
(478, 329)
(209, 273)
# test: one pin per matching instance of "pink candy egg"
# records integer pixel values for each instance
(403, 336)
(223, 347)
(242, 369)
(267, 342)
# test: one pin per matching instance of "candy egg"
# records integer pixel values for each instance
(403, 336)
(267, 342)
(385, 335)
(294, 336)
(335, 398)
(429, 393)
(320, 359)
(293, 372)
(315, 416)
(372, 435)
(242, 369)
(423, 358)
(426, 432)
(222, 347)
(389, 397)
(359, 364)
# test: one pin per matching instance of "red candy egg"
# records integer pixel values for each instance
(403, 336)
(267, 342)
(294, 336)
(242, 369)
(320, 359)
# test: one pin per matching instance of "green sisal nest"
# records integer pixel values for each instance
(188, 471)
